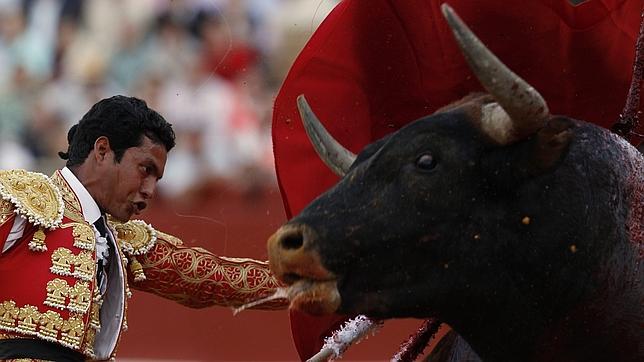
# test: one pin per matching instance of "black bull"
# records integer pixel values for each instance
(525, 238)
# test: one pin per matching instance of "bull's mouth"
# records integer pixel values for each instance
(316, 297)
(312, 288)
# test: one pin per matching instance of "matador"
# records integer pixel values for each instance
(69, 252)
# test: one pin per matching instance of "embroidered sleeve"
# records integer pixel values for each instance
(196, 277)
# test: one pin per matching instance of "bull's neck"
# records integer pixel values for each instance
(499, 332)
(604, 324)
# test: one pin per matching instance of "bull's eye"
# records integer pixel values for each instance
(426, 162)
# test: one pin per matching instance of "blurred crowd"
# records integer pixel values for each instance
(210, 67)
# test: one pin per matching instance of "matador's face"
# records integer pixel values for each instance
(131, 183)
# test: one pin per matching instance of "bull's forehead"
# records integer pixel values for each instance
(456, 125)
(463, 115)
(458, 121)
(451, 138)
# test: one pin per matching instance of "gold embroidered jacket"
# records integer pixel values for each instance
(48, 286)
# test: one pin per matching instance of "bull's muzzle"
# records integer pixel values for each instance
(294, 261)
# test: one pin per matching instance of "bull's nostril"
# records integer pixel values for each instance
(293, 241)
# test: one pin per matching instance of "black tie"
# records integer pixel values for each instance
(102, 265)
(100, 226)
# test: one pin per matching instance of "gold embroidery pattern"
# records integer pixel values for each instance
(172, 240)
(57, 293)
(84, 237)
(137, 270)
(80, 297)
(8, 315)
(50, 324)
(62, 260)
(72, 333)
(72, 205)
(6, 211)
(27, 319)
(84, 266)
(46, 325)
(94, 324)
(8, 336)
(38, 241)
(198, 278)
(83, 233)
(94, 314)
(90, 337)
(135, 237)
(34, 196)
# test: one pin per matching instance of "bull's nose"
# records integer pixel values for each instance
(292, 255)
(292, 239)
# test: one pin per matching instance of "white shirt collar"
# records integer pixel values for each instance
(91, 211)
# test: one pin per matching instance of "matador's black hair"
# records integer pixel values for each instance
(124, 121)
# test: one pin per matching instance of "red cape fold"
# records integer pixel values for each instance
(376, 65)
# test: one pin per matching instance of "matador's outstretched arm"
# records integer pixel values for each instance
(192, 276)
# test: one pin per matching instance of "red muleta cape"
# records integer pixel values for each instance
(376, 65)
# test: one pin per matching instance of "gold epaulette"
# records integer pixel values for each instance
(34, 197)
(135, 238)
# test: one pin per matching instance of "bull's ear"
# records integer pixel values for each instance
(550, 145)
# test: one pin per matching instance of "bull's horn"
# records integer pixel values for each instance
(334, 155)
(526, 108)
